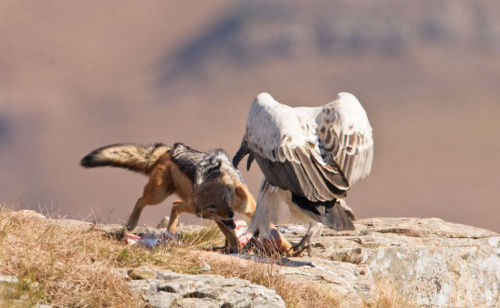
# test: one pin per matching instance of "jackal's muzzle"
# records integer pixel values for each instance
(229, 223)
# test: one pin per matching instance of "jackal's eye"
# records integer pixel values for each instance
(212, 207)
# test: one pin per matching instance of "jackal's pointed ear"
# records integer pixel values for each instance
(241, 192)
(248, 205)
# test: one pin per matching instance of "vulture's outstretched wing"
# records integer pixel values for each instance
(284, 143)
(345, 137)
(305, 150)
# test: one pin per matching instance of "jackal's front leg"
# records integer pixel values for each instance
(156, 191)
(232, 243)
(178, 208)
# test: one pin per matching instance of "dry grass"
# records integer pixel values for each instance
(66, 266)
(204, 239)
(389, 297)
(55, 264)
(71, 267)
(295, 294)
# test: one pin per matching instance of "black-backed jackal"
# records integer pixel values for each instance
(207, 183)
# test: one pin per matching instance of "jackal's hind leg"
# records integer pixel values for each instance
(136, 213)
(156, 191)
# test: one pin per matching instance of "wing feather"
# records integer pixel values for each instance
(335, 179)
(346, 137)
(317, 153)
(313, 176)
(283, 142)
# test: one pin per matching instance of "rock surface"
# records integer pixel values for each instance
(427, 261)
(430, 262)
(352, 284)
(169, 289)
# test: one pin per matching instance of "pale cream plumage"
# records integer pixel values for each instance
(312, 154)
(326, 146)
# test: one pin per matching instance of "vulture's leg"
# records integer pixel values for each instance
(305, 242)
(270, 202)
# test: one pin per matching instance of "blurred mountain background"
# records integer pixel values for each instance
(75, 76)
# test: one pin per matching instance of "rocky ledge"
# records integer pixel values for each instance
(429, 262)
(422, 261)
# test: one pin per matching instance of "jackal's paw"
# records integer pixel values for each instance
(231, 250)
(130, 227)
(169, 236)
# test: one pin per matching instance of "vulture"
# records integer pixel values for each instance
(310, 158)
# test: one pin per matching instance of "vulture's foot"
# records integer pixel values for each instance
(304, 244)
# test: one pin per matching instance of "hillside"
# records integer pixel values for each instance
(76, 77)
(255, 33)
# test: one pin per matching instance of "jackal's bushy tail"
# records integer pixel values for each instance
(139, 158)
